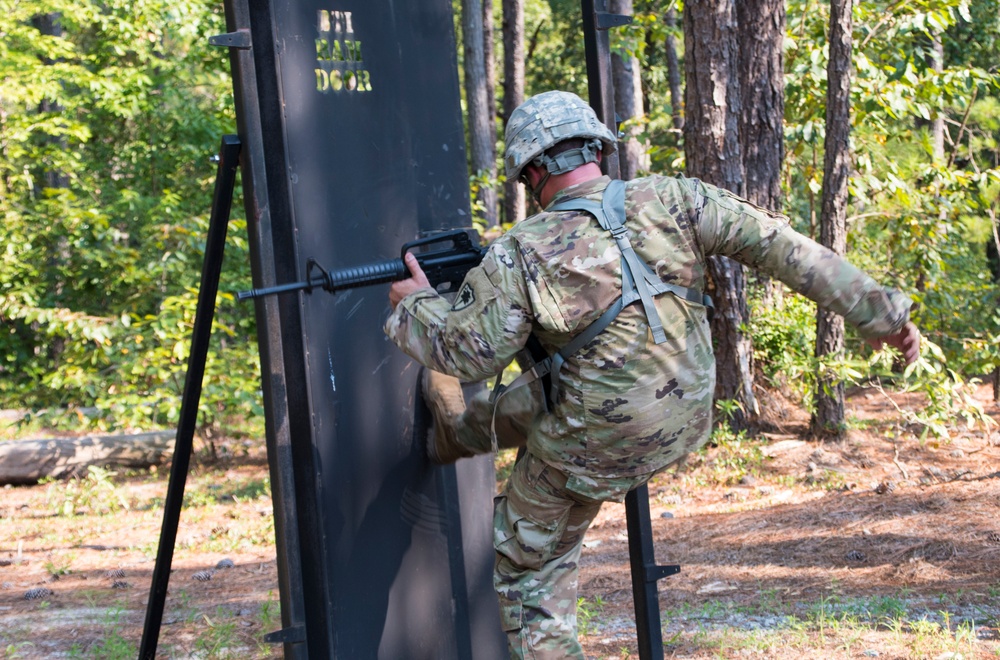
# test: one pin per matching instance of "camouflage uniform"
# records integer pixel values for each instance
(628, 407)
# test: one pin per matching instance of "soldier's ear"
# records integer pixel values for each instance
(532, 175)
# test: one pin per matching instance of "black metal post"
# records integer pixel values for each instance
(645, 573)
(596, 22)
(225, 181)
(600, 87)
(267, 270)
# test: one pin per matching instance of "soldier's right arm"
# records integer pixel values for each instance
(764, 241)
(478, 334)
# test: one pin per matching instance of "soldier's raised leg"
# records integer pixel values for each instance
(464, 421)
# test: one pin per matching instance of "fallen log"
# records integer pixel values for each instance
(27, 461)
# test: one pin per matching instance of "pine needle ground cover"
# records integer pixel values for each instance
(881, 545)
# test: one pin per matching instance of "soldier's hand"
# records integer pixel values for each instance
(907, 341)
(415, 282)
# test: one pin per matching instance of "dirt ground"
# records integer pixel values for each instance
(870, 547)
(868, 526)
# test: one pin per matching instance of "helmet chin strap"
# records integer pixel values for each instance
(561, 163)
(536, 191)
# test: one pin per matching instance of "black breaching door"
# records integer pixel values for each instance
(353, 140)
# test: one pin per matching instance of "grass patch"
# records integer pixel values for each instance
(113, 644)
(587, 612)
(888, 624)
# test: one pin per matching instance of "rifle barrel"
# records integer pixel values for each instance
(337, 280)
(281, 288)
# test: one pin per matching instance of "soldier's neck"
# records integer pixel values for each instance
(558, 182)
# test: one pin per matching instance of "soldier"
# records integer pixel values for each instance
(610, 278)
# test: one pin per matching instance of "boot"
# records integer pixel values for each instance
(443, 395)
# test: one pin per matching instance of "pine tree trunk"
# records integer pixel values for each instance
(828, 420)
(712, 150)
(51, 25)
(489, 60)
(937, 124)
(482, 152)
(711, 96)
(762, 88)
(625, 76)
(673, 70)
(514, 201)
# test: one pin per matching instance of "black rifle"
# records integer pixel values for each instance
(445, 259)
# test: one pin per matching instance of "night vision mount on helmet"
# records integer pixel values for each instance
(543, 121)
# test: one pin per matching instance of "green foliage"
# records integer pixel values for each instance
(784, 337)
(106, 128)
(268, 618)
(948, 396)
(554, 51)
(96, 493)
(587, 613)
(737, 456)
(105, 186)
(919, 217)
(219, 639)
(19, 650)
(478, 182)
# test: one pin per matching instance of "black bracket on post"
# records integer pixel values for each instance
(293, 635)
(645, 572)
(606, 20)
(240, 40)
(222, 201)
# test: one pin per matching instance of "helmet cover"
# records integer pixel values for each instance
(543, 121)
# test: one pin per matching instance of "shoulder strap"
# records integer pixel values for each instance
(637, 276)
(639, 282)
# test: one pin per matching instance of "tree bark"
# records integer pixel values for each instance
(482, 143)
(625, 76)
(673, 70)
(514, 199)
(937, 124)
(51, 25)
(711, 96)
(828, 420)
(762, 88)
(712, 150)
(489, 60)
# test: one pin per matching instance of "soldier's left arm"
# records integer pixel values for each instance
(764, 241)
(473, 337)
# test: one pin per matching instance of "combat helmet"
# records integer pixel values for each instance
(547, 119)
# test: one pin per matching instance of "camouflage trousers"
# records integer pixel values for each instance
(538, 527)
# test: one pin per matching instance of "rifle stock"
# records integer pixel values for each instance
(445, 259)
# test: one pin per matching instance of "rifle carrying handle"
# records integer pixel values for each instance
(456, 239)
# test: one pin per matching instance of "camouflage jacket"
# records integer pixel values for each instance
(628, 407)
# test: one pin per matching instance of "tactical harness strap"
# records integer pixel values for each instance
(639, 282)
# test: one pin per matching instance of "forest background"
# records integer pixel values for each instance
(110, 112)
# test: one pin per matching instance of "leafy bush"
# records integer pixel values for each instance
(109, 121)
